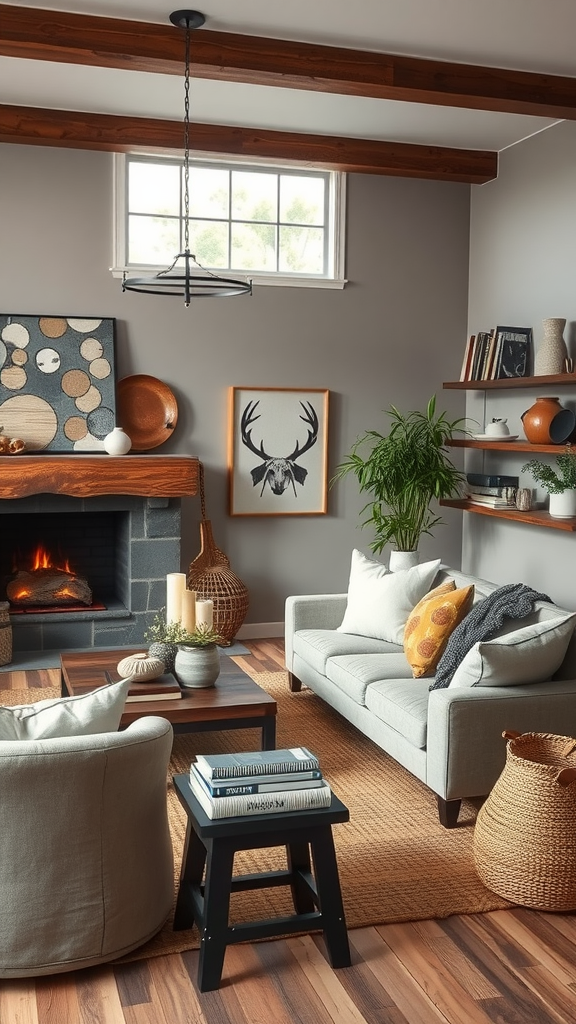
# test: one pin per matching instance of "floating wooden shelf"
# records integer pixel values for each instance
(534, 518)
(506, 446)
(83, 476)
(512, 382)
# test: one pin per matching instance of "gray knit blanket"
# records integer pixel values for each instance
(513, 601)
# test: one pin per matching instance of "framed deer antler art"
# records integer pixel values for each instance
(278, 451)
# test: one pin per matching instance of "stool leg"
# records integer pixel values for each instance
(216, 907)
(298, 857)
(331, 907)
(193, 861)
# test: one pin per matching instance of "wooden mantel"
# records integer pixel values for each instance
(84, 476)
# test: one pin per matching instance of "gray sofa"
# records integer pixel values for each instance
(450, 739)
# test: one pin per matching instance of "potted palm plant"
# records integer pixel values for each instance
(560, 482)
(404, 471)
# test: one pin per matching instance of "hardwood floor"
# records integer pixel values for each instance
(504, 967)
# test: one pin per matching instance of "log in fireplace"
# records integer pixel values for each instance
(92, 538)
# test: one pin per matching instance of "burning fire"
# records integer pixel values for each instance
(42, 559)
(49, 580)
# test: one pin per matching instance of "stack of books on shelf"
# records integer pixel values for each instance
(259, 782)
(497, 354)
(493, 491)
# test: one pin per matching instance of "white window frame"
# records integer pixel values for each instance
(336, 228)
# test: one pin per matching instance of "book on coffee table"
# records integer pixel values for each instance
(165, 687)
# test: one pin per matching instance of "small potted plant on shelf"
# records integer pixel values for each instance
(405, 471)
(197, 662)
(560, 482)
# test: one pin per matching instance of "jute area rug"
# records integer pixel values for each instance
(396, 862)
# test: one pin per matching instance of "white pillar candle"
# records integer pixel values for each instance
(175, 587)
(205, 613)
(188, 610)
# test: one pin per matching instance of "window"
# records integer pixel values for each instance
(275, 225)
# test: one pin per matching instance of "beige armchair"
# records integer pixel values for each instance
(86, 867)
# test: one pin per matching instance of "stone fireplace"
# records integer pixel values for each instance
(116, 521)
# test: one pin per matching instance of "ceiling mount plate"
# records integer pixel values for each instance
(187, 19)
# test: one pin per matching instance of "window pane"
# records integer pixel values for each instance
(209, 243)
(209, 190)
(254, 196)
(153, 188)
(301, 199)
(153, 240)
(254, 246)
(301, 250)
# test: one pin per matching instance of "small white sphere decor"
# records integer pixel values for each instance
(140, 667)
(117, 442)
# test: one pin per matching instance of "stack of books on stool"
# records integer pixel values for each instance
(259, 782)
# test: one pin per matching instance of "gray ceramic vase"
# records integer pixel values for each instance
(197, 667)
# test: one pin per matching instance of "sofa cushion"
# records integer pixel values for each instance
(83, 715)
(379, 603)
(353, 673)
(530, 654)
(403, 705)
(315, 646)
(430, 624)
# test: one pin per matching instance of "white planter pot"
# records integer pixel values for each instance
(563, 506)
(403, 560)
(197, 667)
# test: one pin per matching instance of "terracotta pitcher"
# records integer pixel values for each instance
(537, 419)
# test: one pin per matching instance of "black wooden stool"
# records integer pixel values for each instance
(212, 843)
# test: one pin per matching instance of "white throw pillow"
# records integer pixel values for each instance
(530, 654)
(88, 713)
(379, 602)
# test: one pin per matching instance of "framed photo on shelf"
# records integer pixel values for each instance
(277, 451)
(513, 351)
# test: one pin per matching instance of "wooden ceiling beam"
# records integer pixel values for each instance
(74, 130)
(142, 46)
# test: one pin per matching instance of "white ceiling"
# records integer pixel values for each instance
(531, 35)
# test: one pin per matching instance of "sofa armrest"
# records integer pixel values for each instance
(465, 749)
(311, 611)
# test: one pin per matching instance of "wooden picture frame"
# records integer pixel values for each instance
(277, 451)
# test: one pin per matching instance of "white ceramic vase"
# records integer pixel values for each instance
(117, 442)
(197, 667)
(402, 560)
(552, 353)
(563, 505)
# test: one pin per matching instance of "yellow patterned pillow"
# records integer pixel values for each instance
(430, 624)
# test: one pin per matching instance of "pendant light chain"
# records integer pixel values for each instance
(187, 141)
(186, 280)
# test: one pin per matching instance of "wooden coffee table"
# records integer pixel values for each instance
(234, 702)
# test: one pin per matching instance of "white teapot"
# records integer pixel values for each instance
(497, 428)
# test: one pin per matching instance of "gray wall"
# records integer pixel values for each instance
(391, 336)
(523, 269)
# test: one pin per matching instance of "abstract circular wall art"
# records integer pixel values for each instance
(57, 381)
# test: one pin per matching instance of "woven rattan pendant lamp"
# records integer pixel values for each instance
(191, 279)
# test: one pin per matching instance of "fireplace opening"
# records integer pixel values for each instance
(62, 562)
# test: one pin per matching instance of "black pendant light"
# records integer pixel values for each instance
(193, 280)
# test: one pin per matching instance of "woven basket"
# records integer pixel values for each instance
(211, 577)
(5, 634)
(525, 834)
